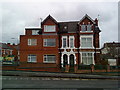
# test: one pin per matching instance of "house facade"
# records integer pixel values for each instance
(57, 44)
(8, 53)
(110, 52)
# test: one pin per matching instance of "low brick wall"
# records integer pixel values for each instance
(92, 69)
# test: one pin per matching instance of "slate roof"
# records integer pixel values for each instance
(113, 44)
(5, 46)
(69, 27)
(66, 27)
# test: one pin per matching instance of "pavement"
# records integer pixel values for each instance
(60, 75)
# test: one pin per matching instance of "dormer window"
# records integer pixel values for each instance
(83, 27)
(49, 28)
(86, 28)
(89, 27)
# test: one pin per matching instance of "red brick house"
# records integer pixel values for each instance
(57, 44)
(8, 52)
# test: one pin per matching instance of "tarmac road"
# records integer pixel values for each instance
(39, 83)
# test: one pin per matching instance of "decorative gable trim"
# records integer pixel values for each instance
(86, 16)
(49, 17)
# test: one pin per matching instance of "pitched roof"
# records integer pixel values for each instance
(86, 16)
(70, 27)
(5, 46)
(50, 17)
(113, 44)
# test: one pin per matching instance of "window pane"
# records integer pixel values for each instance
(86, 42)
(88, 27)
(32, 58)
(35, 32)
(49, 28)
(83, 27)
(49, 58)
(64, 42)
(71, 43)
(87, 58)
(32, 41)
(49, 42)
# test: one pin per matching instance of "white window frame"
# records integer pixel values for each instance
(29, 42)
(35, 32)
(49, 61)
(44, 40)
(29, 56)
(46, 28)
(66, 41)
(93, 62)
(73, 41)
(86, 28)
(86, 36)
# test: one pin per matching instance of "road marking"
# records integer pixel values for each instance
(46, 79)
(55, 78)
(21, 78)
(65, 79)
(84, 79)
(75, 79)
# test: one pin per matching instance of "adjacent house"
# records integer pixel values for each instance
(111, 53)
(9, 53)
(56, 44)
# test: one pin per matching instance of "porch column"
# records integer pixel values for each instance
(75, 59)
(68, 59)
(62, 60)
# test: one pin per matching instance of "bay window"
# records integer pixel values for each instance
(86, 41)
(87, 58)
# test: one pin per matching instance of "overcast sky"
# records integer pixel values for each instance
(15, 16)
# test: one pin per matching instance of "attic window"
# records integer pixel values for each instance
(86, 28)
(49, 28)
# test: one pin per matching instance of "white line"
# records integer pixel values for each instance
(75, 79)
(46, 79)
(55, 78)
(65, 79)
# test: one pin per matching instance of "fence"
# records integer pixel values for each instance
(96, 68)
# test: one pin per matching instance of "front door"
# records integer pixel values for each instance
(71, 63)
(64, 60)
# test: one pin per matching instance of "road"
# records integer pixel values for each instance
(46, 82)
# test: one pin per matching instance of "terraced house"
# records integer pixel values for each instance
(55, 45)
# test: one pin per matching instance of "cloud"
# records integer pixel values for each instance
(16, 16)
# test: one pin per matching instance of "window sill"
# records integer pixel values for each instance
(49, 62)
(86, 31)
(86, 48)
(31, 62)
(32, 45)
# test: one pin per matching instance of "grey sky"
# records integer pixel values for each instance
(18, 15)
